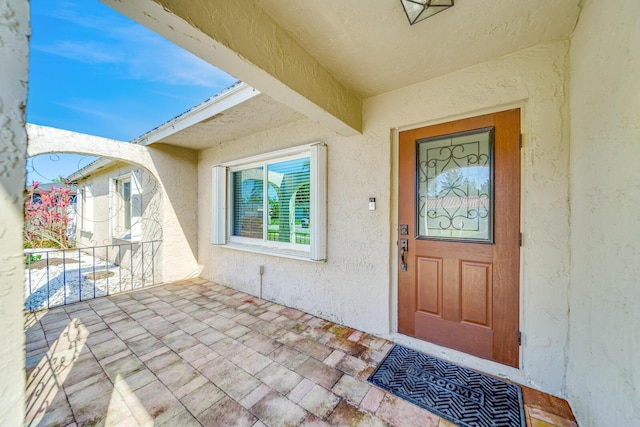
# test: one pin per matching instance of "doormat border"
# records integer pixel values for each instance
(462, 389)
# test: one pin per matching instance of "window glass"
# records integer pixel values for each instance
(126, 200)
(248, 203)
(288, 200)
(455, 187)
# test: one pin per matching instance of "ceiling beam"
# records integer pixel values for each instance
(241, 39)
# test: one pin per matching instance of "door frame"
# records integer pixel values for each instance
(472, 361)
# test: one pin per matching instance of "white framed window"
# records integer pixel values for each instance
(273, 203)
(125, 208)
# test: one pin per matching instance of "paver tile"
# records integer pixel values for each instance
(399, 412)
(279, 378)
(351, 389)
(301, 390)
(177, 375)
(209, 336)
(91, 403)
(138, 380)
(319, 401)
(108, 348)
(333, 359)
(252, 398)
(347, 415)
(182, 419)
(319, 373)
(162, 360)
(202, 398)
(313, 348)
(239, 385)
(218, 371)
(179, 341)
(227, 412)
(313, 421)
(288, 357)
(354, 367)
(158, 401)
(192, 385)
(262, 344)
(277, 411)
(373, 398)
(123, 367)
(254, 363)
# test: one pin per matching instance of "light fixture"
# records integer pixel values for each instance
(419, 10)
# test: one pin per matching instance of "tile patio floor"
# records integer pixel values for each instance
(198, 353)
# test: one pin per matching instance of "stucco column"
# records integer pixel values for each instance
(14, 57)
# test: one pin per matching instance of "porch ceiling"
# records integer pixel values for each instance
(370, 47)
(254, 115)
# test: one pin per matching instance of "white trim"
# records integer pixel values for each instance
(318, 208)
(91, 168)
(262, 158)
(219, 197)
(304, 256)
(88, 208)
(221, 102)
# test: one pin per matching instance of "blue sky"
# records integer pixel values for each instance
(95, 71)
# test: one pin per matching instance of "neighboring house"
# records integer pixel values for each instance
(118, 217)
(117, 203)
(542, 289)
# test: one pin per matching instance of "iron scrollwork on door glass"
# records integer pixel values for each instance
(455, 187)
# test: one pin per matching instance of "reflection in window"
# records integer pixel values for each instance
(248, 196)
(288, 202)
(455, 180)
(289, 208)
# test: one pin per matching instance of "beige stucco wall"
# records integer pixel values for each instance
(603, 380)
(356, 286)
(14, 50)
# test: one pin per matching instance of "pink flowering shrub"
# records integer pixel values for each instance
(47, 218)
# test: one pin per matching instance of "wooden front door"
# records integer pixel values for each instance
(459, 235)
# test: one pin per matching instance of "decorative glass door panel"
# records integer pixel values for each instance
(455, 187)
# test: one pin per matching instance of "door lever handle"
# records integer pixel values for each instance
(404, 247)
(403, 264)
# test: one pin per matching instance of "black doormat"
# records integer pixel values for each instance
(460, 395)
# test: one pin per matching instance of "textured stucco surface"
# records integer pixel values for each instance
(175, 171)
(357, 238)
(238, 37)
(14, 50)
(356, 286)
(603, 380)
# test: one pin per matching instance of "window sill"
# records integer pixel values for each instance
(264, 250)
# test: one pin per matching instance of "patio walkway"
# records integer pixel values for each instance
(198, 353)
